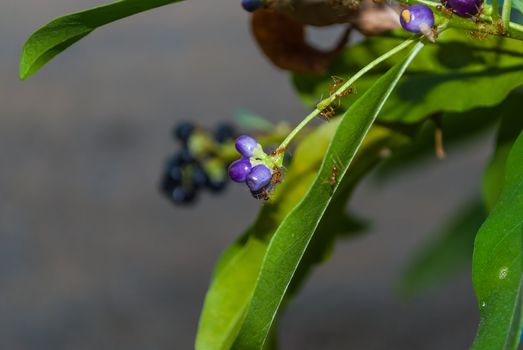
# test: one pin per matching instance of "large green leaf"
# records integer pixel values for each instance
(292, 237)
(498, 263)
(493, 178)
(59, 34)
(448, 253)
(236, 272)
(454, 75)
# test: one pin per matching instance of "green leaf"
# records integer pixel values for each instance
(448, 253)
(457, 128)
(497, 267)
(251, 121)
(292, 237)
(493, 178)
(229, 294)
(59, 34)
(518, 5)
(454, 75)
(236, 272)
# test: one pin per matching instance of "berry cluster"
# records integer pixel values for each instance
(420, 19)
(195, 166)
(256, 169)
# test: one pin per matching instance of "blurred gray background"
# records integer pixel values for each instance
(92, 257)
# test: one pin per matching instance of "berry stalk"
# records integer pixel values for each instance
(505, 15)
(495, 10)
(340, 92)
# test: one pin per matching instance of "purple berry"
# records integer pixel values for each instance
(464, 8)
(246, 145)
(259, 177)
(239, 169)
(251, 5)
(417, 18)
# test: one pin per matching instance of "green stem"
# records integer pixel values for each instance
(505, 15)
(326, 102)
(495, 10)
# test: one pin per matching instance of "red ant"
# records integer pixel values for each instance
(333, 179)
(263, 194)
(278, 151)
(446, 11)
(277, 176)
(478, 35)
(337, 81)
(328, 113)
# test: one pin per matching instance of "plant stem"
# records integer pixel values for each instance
(505, 15)
(511, 30)
(326, 102)
(495, 10)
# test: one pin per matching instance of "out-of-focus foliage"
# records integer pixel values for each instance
(456, 128)
(440, 80)
(447, 254)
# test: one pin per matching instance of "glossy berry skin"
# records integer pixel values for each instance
(417, 18)
(251, 5)
(239, 169)
(259, 177)
(183, 131)
(464, 8)
(246, 145)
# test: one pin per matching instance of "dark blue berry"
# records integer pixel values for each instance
(259, 177)
(185, 156)
(216, 185)
(246, 145)
(167, 184)
(183, 131)
(224, 132)
(251, 5)
(239, 169)
(464, 8)
(175, 174)
(173, 169)
(199, 177)
(417, 19)
(181, 195)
